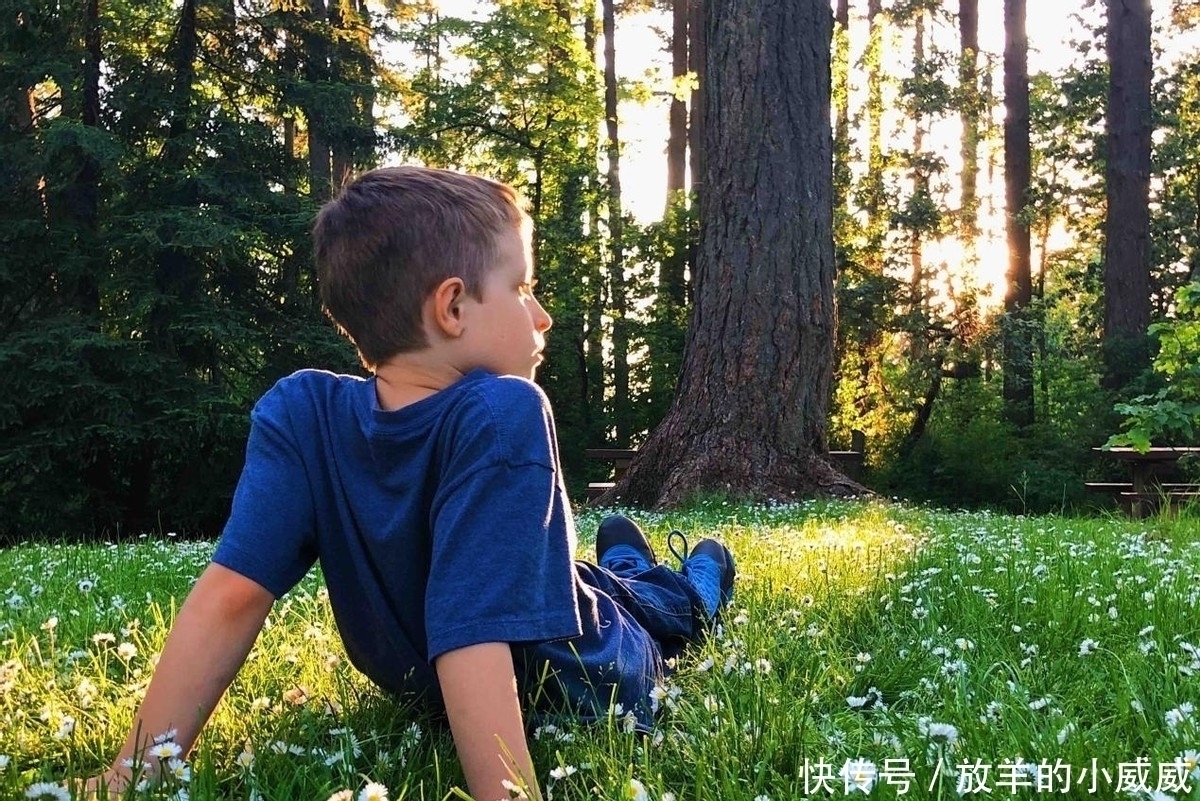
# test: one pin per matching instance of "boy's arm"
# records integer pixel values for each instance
(209, 641)
(479, 687)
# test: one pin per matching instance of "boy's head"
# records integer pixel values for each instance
(393, 236)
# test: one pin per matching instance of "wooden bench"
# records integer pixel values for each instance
(848, 461)
(1147, 492)
(1142, 504)
(1117, 487)
(1168, 495)
(621, 458)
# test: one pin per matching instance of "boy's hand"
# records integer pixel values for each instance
(480, 691)
(108, 785)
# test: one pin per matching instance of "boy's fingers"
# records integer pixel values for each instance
(106, 786)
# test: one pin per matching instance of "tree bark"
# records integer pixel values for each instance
(749, 416)
(1018, 350)
(1127, 224)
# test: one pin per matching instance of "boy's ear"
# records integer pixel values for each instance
(446, 302)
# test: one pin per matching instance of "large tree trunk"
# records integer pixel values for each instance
(616, 232)
(1018, 339)
(749, 416)
(1127, 225)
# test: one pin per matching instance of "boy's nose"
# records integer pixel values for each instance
(542, 319)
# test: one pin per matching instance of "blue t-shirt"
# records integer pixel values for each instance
(440, 525)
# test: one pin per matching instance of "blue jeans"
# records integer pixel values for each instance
(661, 600)
(633, 617)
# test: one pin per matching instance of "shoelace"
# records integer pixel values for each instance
(677, 535)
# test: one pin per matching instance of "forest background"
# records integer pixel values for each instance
(162, 160)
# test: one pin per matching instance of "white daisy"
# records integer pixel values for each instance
(635, 791)
(167, 750)
(48, 790)
(374, 791)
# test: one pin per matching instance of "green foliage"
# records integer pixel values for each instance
(160, 277)
(1171, 415)
(969, 457)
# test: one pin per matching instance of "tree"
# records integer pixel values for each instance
(1018, 339)
(749, 415)
(616, 233)
(969, 104)
(517, 97)
(677, 139)
(1127, 177)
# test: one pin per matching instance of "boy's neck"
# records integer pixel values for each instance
(406, 379)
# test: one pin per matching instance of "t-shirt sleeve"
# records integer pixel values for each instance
(269, 537)
(502, 566)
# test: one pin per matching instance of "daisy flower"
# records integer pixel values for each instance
(48, 790)
(167, 750)
(938, 732)
(1178, 715)
(180, 770)
(857, 701)
(166, 737)
(635, 791)
(374, 791)
(515, 791)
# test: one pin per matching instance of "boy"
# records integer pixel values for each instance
(432, 496)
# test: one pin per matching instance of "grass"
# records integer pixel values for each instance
(947, 651)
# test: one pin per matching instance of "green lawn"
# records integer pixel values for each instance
(880, 648)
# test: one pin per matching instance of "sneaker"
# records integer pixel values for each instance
(719, 555)
(724, 559)
(628, 545)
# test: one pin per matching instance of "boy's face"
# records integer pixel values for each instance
(505, 332)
